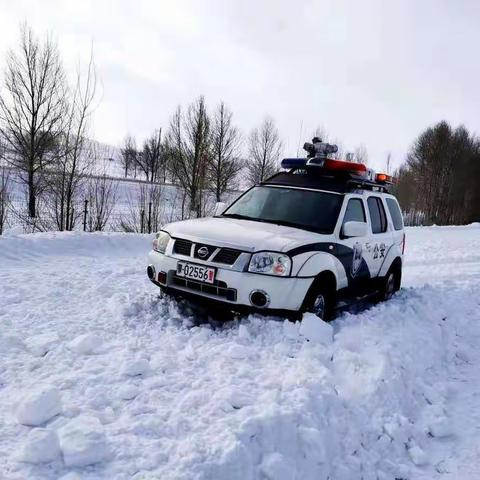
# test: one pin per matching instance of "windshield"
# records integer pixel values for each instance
(306, 209)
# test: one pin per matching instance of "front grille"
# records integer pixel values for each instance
(227, 256)
(217, 289)
(182, 247)
(200, 247)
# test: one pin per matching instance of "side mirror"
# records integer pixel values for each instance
(354, 229)
(219, 208)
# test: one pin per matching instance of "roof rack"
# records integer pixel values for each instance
(314, 178)
(318, 171)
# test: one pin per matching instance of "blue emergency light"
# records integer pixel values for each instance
(293, 163)
(288, 163)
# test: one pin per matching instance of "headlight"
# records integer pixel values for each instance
(160, 242)
(270, 263)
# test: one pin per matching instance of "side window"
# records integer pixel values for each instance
(378, 218)
(354, 211)
(383, 215)
(395, 213)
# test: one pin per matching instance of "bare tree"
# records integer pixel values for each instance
(128, 155)
(102, 193)
(361, 154)
(151, 159)
(225, 163)
(265, 147)
(188, 151)
(4, 197)
(3, 151)
(76, 155)
(32, 108)
(145, 209)
(388, 162)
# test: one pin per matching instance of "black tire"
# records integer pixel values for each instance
(389, 284)
(320, 301)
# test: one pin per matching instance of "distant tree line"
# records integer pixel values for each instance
(440, 181)
(45, 139)
(202, 152)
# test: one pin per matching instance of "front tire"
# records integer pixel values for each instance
(321, 302)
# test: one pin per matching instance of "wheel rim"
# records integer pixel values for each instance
(390, 287)
(318, 307)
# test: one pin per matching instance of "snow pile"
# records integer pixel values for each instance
(41, 344)
(41, 446)
(86, 344)
(39, 406)
(83, 442)
(151, 392)
(138, 366)
(128, 392)
(315, 330)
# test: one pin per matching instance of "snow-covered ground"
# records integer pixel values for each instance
(102, 378)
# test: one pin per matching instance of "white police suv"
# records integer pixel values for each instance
(318, 233)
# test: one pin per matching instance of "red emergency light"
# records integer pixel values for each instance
(344, 166)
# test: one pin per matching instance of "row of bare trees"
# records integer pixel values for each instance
(44, 123)
(44, 130)
(202, 153)
(440, 180)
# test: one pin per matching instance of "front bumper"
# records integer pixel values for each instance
(234, 287)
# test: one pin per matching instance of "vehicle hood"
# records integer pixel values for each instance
(243, 234)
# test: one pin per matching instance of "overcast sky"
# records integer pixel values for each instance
(371, 72)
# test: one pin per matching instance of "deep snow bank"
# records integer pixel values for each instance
(152, 394)
(22, 247)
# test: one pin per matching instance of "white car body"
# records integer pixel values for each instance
(352, 262)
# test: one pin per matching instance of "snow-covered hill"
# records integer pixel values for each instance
(102, 378)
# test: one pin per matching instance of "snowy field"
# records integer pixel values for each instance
(100, 378)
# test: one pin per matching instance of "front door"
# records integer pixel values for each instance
(354, 249)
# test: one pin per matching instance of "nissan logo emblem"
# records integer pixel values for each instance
(203, 252)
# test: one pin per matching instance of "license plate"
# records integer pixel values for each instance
(196, 272)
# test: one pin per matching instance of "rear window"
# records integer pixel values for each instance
(395, 213)
(378, 217)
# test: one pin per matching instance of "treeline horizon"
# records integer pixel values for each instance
(45, 132)
(439, 182)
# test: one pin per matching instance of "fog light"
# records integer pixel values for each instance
(151, 272)
(259, 298)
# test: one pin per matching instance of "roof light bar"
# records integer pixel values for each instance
(327, 164)
(317, 158)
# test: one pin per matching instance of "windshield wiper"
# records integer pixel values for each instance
(284, 223)
(236, 215)
(275, 222)
(245, 217)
